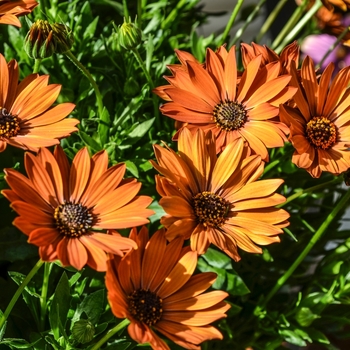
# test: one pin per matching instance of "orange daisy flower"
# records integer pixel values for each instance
(176, 306)
(217, 200)
(26, 119)
(320, 125)
(288, 55)
(11, 9)
(63, 208)
(213, 98)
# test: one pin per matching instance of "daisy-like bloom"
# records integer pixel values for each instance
(217, 200)
(319, 126)
(153, 287)
(26, 119)
(11, 9)
(289, 54)
(63, 208)
(211, 97)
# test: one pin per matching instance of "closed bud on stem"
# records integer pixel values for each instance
(83, 331)
(129, 35)
(44, 39)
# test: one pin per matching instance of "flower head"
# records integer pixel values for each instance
(213, 97)
(11, 9)
(319, 125)
(154, 288)
(62, 208)
(217, 200)
(44, 39)
(289, 54)
(26, 119)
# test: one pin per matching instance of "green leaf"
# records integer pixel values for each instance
(29, 295)
(132, 168)
(149, 51)
(217, 259)
(90, 30)
(292, 337)
(235, 284)
(228, 279)
(14, 245)
(92, 306)
(120, 344)
(75, 278)
(305, 316)
(54, 343)
(60, 306)
(103, 126)
(89, 141)
(141, 129)
(15, 343)
(318, 336)
(3, 328)
(159, 211)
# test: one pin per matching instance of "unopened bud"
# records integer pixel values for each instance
(44, 39)
(129, 35)
(83, 331)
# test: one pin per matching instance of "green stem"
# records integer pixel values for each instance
(281, 281)
(19, 291)
(151, 84)
(308, 190)
(92, 81)
(250, 18)
(339, 39)
(139, 13)
(126, 11)
(43, 298)
(290, 24)
(173, 14)
(43, 8)
(110, 334)
(269, 20)
(299, 26)
(37, 63)
(230, 22)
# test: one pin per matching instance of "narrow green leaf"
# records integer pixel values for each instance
(89, 141)
(132, 168)
(141, 129)
(90, 29)
(60, 305)
(103, 126)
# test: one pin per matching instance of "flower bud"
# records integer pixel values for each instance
(44, 39)
(83, 331)
(129, 35)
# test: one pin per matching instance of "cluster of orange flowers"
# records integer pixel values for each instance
(211, 192)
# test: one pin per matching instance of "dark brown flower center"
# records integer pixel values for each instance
(145, 306)
(230, 115)
(321, 132)
(210, 209)
(73, 220)
(9, 124)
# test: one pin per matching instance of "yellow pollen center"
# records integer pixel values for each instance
(210, 209)
(321, 132)
(9, 124)
(145, 306)
(73, 220)
(230, 115)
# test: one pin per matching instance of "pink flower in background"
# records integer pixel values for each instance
(316, 46)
